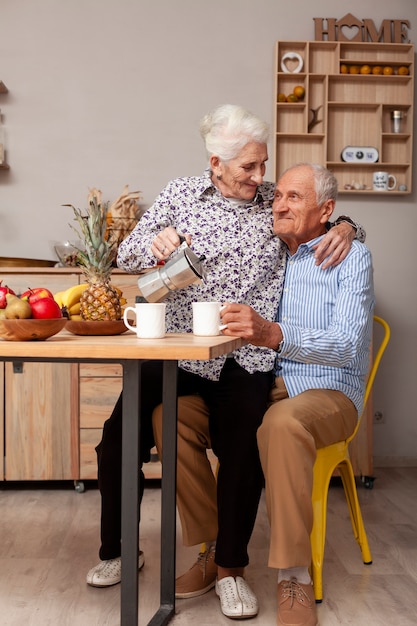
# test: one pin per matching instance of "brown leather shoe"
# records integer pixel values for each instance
(200, 578)
(296, 604)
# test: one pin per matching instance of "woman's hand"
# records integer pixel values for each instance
(335, 245)
(243, 321)
(166, 242)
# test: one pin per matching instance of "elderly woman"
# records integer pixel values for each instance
(225, 214)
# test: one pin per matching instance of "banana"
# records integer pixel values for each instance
(75, 309)
(72, 295)
(76, 318)
(58, 298)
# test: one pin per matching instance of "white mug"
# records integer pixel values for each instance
(150, 319)
(383, 181)
(206, 318)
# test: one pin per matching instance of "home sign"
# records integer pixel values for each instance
(350, 28)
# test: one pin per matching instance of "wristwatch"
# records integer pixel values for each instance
(345, 218)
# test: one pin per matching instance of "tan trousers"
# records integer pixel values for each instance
(196, 483)
(291, 431)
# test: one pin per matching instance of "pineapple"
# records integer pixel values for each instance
(100, 301)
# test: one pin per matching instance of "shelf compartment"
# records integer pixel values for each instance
(406, 122)
(351, 173)
(396, 149)
(287, 82)
(323, 58)
(291, 149)
(395, 90)
(291, 118)
(298, 47)
(376, 54)
(348, 126)
(316, 98)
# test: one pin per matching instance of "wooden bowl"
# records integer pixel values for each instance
(29, 329)
(116, 327)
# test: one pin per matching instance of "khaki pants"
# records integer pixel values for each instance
(291, 431)
(196, 483)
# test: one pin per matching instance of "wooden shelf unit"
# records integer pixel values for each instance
(352, 110)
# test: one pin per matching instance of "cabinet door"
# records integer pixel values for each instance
(41, 421)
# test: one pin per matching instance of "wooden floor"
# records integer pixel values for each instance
(49, 539)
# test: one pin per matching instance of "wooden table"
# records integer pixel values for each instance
(130, 352)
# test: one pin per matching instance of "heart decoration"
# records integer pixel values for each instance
(292, 63)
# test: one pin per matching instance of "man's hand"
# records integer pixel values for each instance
(243, 321)
(335, 245)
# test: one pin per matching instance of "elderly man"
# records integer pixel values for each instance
(322, 339)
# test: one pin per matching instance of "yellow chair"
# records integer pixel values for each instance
(328, 460)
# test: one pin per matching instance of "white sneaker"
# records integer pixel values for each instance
(108, 573)
(237, 599)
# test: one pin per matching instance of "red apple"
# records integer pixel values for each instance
(32, 295)
(45, 308)
(3, 291)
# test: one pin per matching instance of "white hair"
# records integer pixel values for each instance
(228, 128)
(325, 182)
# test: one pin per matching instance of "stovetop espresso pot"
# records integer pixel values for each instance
(184, 269)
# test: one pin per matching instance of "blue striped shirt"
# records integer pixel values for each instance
(326, 321)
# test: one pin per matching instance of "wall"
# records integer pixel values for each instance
(110, 93)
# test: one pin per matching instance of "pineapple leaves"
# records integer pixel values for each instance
(100, 251)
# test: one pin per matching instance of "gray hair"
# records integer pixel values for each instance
(325, 181)
(228, 128)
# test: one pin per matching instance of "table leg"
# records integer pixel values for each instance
(168, 496)
(130, 492)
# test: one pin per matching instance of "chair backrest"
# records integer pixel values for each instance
(374, 366)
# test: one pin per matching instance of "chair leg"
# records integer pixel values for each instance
(349, 485)
(318, 533)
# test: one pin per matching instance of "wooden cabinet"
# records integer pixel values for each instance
(38, 403)
(41, 422)
(100, 386)
(345, 119)
(51, 415)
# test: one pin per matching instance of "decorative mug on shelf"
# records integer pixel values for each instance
(384, 181)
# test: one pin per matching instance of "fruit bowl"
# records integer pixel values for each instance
(116, 327)
(30, 329)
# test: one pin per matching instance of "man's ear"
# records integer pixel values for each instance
(327, 210)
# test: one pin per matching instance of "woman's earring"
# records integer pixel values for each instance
(218, 176)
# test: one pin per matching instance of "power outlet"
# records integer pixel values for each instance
(379, 417)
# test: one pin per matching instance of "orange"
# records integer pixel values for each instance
(377, 69)
(282, 97)
(354, 69)
(365, 69)
(344, 69)
(403, 70)
(292, 98)
(299, 91)
(388, 70)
